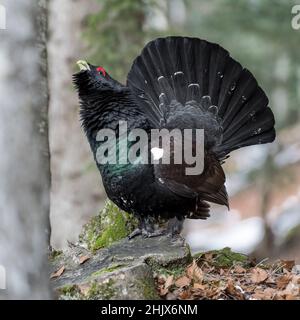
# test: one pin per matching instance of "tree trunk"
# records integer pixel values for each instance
(77, 192)
(24, 161)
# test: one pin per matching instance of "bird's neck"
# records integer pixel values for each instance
(102, 109)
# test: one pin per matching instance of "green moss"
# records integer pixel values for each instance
(54, 254)
(101, 291)
(111, 268)
(174, 267)
(96, 291)
(112, 224)
(176, 271)
(147, 287)
(69, 292)
(224, 258)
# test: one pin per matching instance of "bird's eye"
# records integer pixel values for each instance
(101, 71)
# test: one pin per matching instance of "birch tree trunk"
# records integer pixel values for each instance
(24, 151)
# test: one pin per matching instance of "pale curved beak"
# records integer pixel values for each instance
(83, 65)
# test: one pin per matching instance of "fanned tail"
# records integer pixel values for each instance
(189, 71)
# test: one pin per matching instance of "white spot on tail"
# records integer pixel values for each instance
(178, 72)
(193, 85)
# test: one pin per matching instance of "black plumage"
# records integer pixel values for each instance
(175, 83)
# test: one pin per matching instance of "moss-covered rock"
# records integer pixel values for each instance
(111, 268)
(54, 254)
(93, 290)
(223, 258)
(112, 224)
(119, 268)
(101, 291)
(69, 292)
(124, 270)
(147, 288)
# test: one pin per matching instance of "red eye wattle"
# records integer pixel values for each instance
(102, 70)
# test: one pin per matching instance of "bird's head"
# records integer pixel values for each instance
(91, 80)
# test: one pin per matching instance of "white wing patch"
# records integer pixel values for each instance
(157, 153)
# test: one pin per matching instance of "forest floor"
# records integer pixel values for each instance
(105, 264)
(209, 276)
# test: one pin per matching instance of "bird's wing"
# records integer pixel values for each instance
(208, 186)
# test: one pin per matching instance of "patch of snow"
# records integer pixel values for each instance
(242, 236)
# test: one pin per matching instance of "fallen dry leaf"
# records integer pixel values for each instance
(169, 282)
(292, 289)
(230, 287)
(182, 282)
(258, 295)
(265, 294)
(199, 286)
(202, 280)
(269, 293)
(58, 273)
(211, 292)
(194, 272)
(258, 275)
(282, 281)
(270, 280)
(186, 294)
(163, 291)
(233, 291)
(288, 264)
(83, 259)
(296, 279)
(290, 297)
(239, 269)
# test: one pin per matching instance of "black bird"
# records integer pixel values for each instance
(175, 83)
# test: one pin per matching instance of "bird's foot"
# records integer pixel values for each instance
(152, 234)
(135, 233)
(147, 229)
(146, 233)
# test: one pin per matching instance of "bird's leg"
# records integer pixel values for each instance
(148, 230)
(175, 227)
(139, 230)
(145, 228)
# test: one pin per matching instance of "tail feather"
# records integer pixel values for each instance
(247, 87)
(187, 69)
(263, 122)
(203, 65)
(218, 60)
(232, 73)
(258, 102)
(179, 85)
(265, 137)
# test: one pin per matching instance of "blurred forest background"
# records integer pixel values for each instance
(263, 181)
